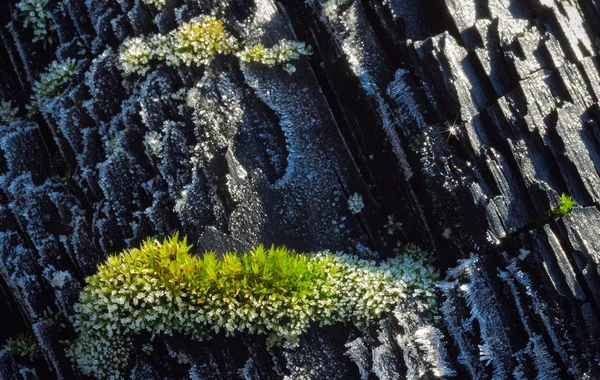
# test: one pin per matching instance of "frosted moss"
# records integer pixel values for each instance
(36, 16)
(281, 53)
(53, 80)
(355, 203)
(162, 289)
(24, 345)
(8, 113)
(196, 43)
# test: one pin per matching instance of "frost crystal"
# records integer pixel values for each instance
(153, 141)
(355, 203)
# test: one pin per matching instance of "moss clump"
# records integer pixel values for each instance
(197, 42)
(281, 53)
(56, 76)
(8, 114)
(24, 345)
(566, 205)
(161, 288)
(36, 16)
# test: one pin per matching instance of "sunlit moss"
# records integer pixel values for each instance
(566, 205)
(197, 42)
(162, 289)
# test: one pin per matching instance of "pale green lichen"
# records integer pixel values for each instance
(36, 16)
(162, 289)
(196, 43)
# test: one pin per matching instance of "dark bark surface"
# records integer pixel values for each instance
(465, 120)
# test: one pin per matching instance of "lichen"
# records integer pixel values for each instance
(52, 81)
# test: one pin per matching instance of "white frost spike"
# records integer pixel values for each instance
(358, 352)
(482, 302)
(421, 343)
(429, 339)
(401, 93)
(544, 364)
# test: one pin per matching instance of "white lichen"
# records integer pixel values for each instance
(54, 78)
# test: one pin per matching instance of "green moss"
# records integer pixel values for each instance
(24, 345)
(162, 289)
(566, 205)
(8, 114)
(36, 16)
(197, 42)
(57, 75)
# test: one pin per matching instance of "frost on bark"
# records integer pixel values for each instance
(464, 120)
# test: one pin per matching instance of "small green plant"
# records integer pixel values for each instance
(392, 226)
(24, 345)
(197, 42)
(8, 114)
(159, 4)
(38, 17)
(162, 289)
(53, 80)
(280, 54)
(566, 205)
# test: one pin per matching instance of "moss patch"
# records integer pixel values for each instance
(163, 289)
